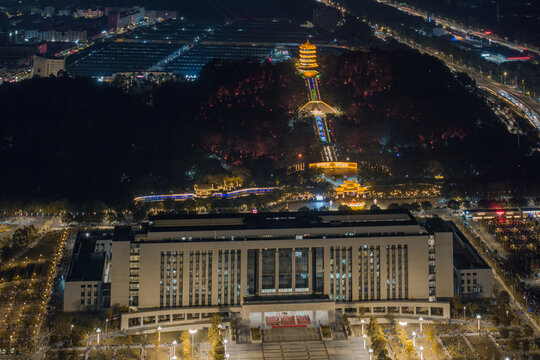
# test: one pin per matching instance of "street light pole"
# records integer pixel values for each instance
(421, 354)
(174, 347)
(478, 317)
(98, 330)
(464, 308)
(362, 322)
(364, 336)
(159, 333)
(414, 339)
(421, 319)
(370, 351)
(106, 325)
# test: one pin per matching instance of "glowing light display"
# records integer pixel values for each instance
(219, 195)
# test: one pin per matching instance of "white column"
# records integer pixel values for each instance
(276, 271)
(327, 270)
(243, 274)
(354, 273)
(293, 270)
(311, 273)
(259, 272)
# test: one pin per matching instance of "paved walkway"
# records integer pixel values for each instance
(308, 350)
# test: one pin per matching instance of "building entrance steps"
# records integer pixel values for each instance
(303, 350)
(338, 327)
(290, 334)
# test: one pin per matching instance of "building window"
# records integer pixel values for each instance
(220, 262)
(225, 273)
(406, 270)
(301, 270)
(252, 273)
(318, 263)
(269, 271)
(285, 270)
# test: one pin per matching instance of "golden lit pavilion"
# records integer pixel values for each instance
(350, 188)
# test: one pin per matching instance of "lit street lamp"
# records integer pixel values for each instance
(159, 333)
(362, 322)
(478, 317)
(421, 319)
(414, 338)
(364, 336)
(174, 347)
(106, 325)
(192, 332)
(370, 351)
(421, 354)
(98, 330)
(464, 308)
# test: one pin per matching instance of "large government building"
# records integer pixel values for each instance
(280, 269)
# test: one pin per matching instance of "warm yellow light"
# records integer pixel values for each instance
(334, 165)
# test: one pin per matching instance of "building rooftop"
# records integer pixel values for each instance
(465, 255)
(87, 265)
(275, 226)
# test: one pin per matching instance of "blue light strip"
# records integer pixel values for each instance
(223, 195)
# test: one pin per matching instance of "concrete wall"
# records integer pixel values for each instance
(444, 265)
(120, 273)
(72, 296)
(484, 280)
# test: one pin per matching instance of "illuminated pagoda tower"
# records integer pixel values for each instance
(308, 61)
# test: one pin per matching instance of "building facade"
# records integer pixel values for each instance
(265, 267)
(46, 66)
(473, 277)
(87, 286)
